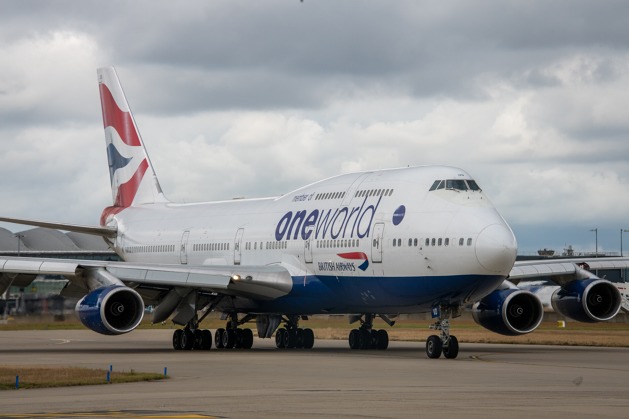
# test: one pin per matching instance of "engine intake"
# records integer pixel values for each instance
(112, 310)
(591, 300)
(509, 312)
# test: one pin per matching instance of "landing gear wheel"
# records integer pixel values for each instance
(177, 339)
(452, 349)
(218, 338)
(353, 339)
(206, 340)
(246, 339)
(281, 338)
(299, 334)
(291, 339)
(309, 338)
(382, 339)
(433, 346)
(187, 340)
(364, 339)
(229, 338)
(197, 339)
(238, 341)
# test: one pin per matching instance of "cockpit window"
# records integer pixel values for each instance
(472, 184)
(455, 185)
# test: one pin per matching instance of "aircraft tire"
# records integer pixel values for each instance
(353, 339)
(309, 338)
(187, 340)
(247, 339)
(382, 339)
(280, 338)
(218, 338)
(206, 340)
(229, 338)
(177, 339)
(433, 346)
(452, 350)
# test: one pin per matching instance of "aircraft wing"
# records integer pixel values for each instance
(263, 282)
(562, 271)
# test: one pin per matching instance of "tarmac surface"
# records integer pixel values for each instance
(328, 381)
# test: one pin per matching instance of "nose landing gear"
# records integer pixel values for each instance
(444, 343)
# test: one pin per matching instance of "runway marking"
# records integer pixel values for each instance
(113, 414)
(62, 341)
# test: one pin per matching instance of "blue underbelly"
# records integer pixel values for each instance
(339, 294)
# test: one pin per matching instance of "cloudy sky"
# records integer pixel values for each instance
(245, 98)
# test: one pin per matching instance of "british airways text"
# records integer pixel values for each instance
(342, 222)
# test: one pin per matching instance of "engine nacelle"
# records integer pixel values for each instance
(591, 300)
(509, 312)
(111, 310)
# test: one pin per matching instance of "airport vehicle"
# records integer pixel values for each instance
(369, 244)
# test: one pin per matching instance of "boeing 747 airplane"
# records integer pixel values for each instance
(369, 244)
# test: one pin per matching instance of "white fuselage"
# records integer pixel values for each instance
(383, 239)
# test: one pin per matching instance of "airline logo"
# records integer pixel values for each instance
(127, 160)
(339, 223)
(346, 266)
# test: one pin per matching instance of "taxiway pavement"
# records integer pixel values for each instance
(328, 381)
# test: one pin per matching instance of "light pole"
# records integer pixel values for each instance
(19, 241)
(595, 230)
(622, 230)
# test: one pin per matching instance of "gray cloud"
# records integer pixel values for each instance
(530, 97)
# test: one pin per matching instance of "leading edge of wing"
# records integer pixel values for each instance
(93, 230)
(562, 270)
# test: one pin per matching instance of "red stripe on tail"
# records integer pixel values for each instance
(114, 117)
(127, 191)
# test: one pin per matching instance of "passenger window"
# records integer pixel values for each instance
(469, 242)
(439, 242)
(399, 242)
(461, 241)
(432, 242)
(447, 242)
(415, 242)
(427, 242)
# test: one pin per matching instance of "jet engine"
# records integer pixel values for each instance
(509, 311)
(111, 310)
(591, 300)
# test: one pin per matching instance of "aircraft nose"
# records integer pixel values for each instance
(496, 248)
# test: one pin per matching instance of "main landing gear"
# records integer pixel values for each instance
(444, 343)
(365, 337)
(232, 336)
(292, 336)
(191, 337)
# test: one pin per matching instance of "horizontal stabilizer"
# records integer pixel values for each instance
(94, 230)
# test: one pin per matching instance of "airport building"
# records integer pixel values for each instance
(42, 296)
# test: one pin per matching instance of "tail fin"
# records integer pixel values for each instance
(133, 180)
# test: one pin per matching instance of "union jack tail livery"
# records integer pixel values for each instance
(133, 180)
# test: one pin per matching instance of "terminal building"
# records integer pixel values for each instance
(42, 295)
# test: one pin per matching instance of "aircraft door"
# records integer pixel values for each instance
(238, 245)
(183, 254)
(377, 243)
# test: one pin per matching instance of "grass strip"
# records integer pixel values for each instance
(41, 377)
